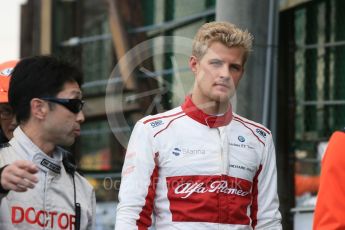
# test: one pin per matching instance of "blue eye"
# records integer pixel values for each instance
(216, 63)
(235, 67)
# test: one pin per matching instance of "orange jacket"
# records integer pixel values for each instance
(306, 183)
(330, 206)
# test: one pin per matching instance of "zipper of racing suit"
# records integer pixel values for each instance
(44, 198)
(225, 148)
(224, 158)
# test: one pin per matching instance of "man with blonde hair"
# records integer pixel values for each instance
(200, 165)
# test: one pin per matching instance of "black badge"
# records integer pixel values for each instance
(51, 166)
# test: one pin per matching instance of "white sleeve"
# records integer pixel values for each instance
(139, 174)
(265, 194)
(92, 218)
(2, 165)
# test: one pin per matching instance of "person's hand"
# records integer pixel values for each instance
(19, 176)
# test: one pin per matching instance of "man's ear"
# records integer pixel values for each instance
(39, 108)
(193, 64)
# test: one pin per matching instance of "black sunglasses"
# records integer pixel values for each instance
(74, 105)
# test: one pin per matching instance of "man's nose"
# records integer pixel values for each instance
(80, 117)
(225, 73)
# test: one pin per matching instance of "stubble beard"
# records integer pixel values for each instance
(67, 141)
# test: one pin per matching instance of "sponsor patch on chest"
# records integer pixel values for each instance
(209, 198)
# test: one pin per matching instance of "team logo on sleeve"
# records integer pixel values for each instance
(261, 133)
(157, 123)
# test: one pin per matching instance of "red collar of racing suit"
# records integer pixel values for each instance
(209, 120)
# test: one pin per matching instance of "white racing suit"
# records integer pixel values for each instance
(194, 171)
(51, 204)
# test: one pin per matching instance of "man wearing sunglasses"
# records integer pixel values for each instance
(45, 96)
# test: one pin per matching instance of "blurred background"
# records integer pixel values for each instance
(293, 82)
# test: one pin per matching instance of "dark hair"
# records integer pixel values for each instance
(36, 77)
(3, 138)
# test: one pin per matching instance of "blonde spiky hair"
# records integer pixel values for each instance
(224, 32)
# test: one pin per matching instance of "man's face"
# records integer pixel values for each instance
(8, 121)
(218, 73)
(61, 125)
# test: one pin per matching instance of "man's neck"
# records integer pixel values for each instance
(38, 138)
(210, 107)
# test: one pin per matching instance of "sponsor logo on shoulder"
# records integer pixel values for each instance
(261, 133)
(157, 123)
